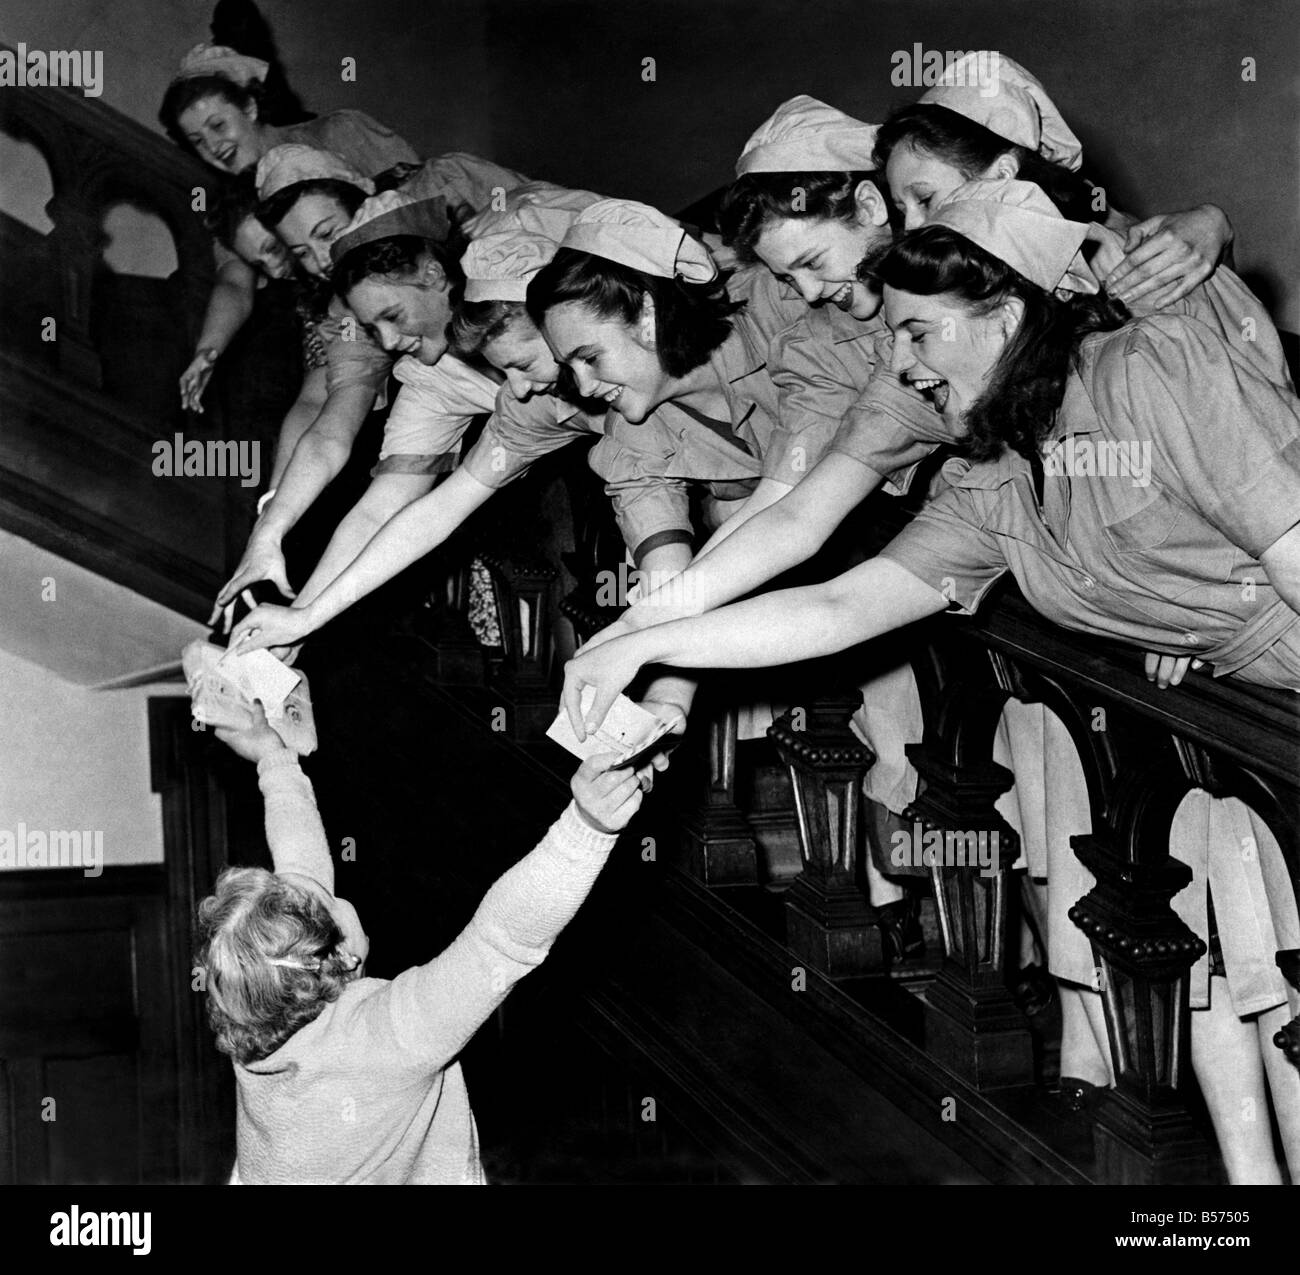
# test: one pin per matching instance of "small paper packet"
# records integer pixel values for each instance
(223, 687)
(628, 729)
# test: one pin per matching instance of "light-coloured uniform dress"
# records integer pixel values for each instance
(1169, 565)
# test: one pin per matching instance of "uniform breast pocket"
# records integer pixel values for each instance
(1154, 525)
(1171, 547)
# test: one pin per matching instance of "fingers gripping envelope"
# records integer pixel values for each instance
(224, 687)
(627, 731)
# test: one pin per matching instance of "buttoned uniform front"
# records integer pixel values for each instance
(1172, 566)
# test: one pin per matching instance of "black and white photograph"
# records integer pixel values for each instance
(650, 593)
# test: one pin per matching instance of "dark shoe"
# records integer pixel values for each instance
(1034, 990)
(1078, 1095)
(900, 928)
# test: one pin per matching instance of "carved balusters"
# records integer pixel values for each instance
(1144, 1131)
(719, 847)
(458, 656)
(973, 1026)
(523, 592)
(78, 238)
(829, 922)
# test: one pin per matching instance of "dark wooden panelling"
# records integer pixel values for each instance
(86, 1032)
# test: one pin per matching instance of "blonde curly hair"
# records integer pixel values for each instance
(273, 959)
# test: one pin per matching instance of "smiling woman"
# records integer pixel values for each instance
(634, 334)
(218, 108)
(806, 204)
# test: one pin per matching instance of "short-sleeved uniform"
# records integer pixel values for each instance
(787, 371)
(1200, 456)
(431, 413)
(522, 431)
(891, 428)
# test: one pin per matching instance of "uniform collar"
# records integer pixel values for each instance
(1075, 416)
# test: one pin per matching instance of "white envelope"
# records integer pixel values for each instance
(223, 687)
(628, 729)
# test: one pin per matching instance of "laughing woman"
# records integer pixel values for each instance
(216, 108)
(309, 198)
(396, 278)
(1161, 567)
(531, 416)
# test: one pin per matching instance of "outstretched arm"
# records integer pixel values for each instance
(297, 421)
(294, 832)
(229, 305)
(775, 539)
(433, 1010)
(383, 500)
(415, 531)
(321, 453)
(777, 628)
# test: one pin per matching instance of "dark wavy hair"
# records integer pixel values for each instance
(270, 954)
(274, 209)
(1018, 408)
(691, 319)
(971, 148)
(400, 257)
(755, 199)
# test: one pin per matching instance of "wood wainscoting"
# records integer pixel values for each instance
(108, 1072)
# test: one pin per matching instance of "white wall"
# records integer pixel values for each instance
(75, 759)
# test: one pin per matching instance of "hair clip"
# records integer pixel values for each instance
(312, 966)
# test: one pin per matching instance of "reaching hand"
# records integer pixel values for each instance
(269, 626)
(1167, 256)
(194, 380)
(609, 668)
(354, 936)
(1168, 670)
(607, 799)
(254, 742)
(263, 560)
